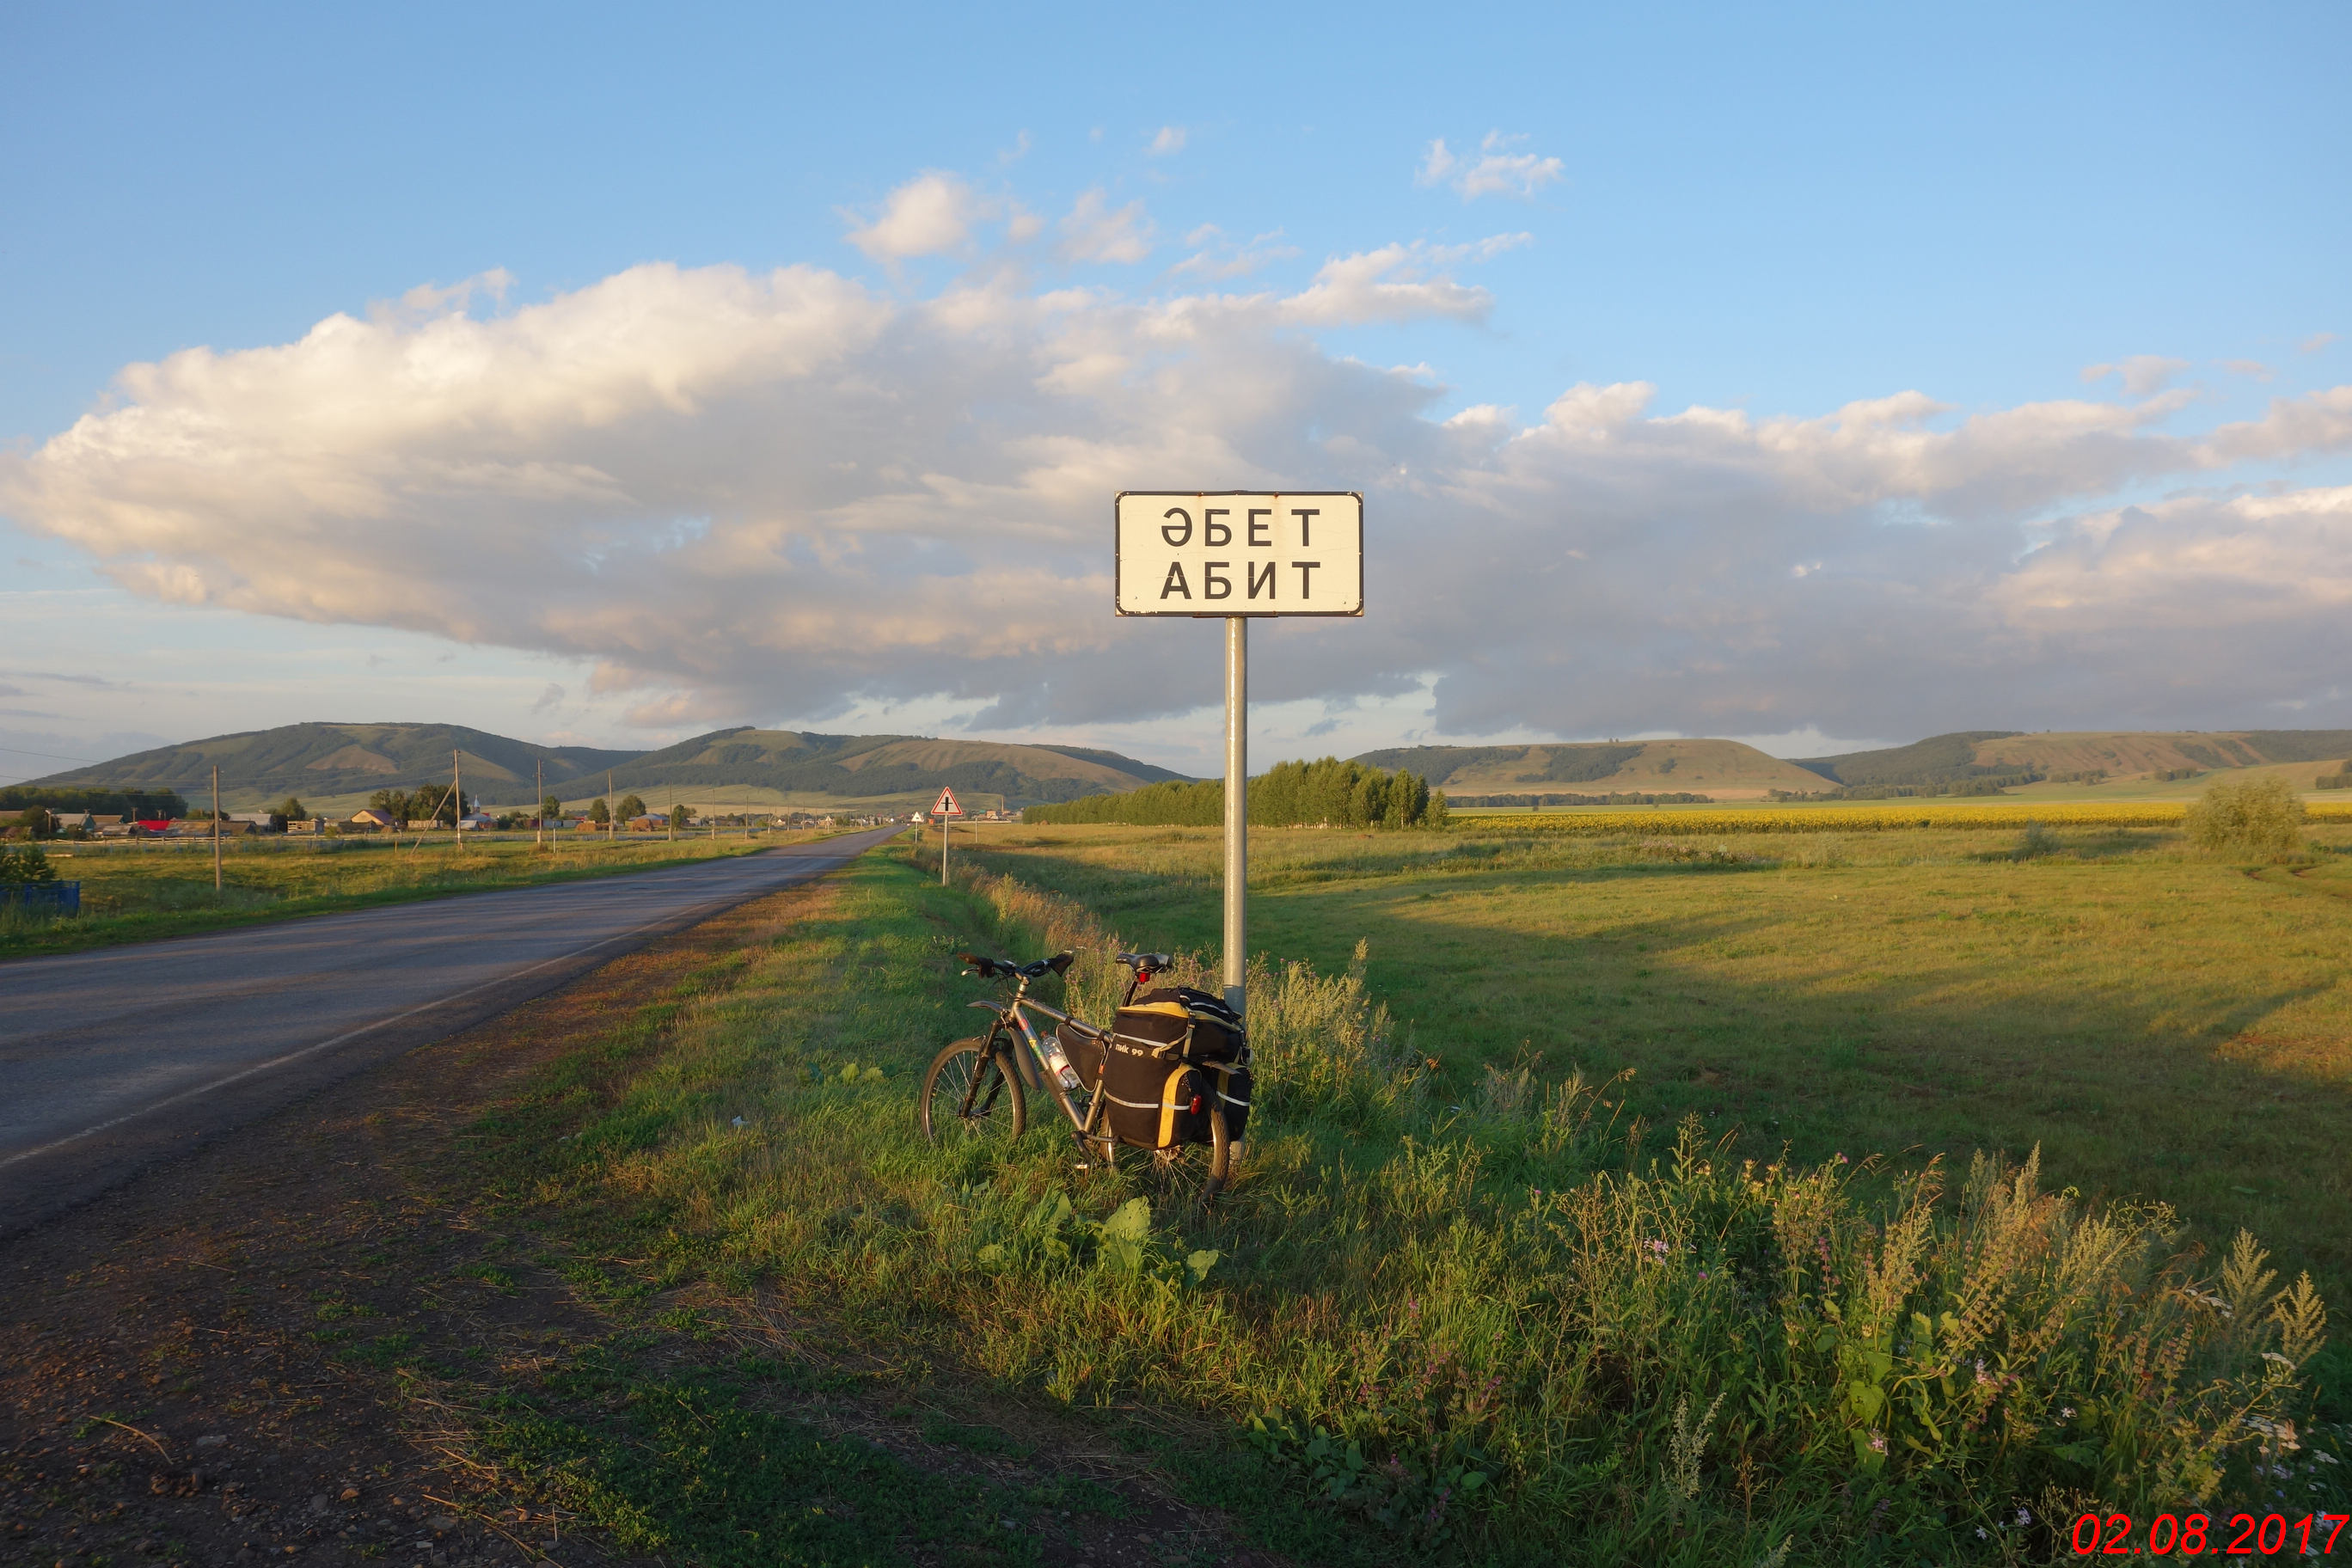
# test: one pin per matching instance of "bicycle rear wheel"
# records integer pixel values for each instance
(1190, 1175)
(968, 1097)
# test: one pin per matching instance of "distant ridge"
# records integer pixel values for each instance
(330, 760)
(1965, 754)
(882, 767)
(332, 765)
(1720, 770)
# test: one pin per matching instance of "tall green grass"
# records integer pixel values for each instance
(1515, 1326)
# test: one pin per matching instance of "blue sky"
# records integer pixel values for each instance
(1779, 215)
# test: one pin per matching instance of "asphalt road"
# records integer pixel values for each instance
(112, 1060)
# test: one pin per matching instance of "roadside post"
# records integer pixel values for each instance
(1240, 555)
(216, 833)
(946, 809)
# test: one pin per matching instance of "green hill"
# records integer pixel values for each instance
(331, 764)
(797, 768)
(335, 767)
(1725, 770)
(2118, 754)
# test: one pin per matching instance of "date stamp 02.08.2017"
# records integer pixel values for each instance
(2202, 1534)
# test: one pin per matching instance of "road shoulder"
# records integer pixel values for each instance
(307, 1340)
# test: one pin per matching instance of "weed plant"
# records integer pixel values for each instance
(1506, 1326)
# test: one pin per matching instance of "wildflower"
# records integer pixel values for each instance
(2066, 1412)
(1980, 1533)
(1982, 1378)
(1841, 1157)
(2024, 1516)
(1878, 1442)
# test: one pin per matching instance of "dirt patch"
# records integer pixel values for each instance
(272, 1347)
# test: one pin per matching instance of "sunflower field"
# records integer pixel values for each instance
(1877, 816)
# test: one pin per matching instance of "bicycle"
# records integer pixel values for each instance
(977, 1089)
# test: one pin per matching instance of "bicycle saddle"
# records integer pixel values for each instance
(990, 968)
(1146, 964)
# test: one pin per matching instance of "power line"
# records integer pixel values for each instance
(59, 756)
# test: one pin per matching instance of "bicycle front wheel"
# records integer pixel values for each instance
(968, 1097)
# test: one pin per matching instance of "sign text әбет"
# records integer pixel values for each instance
(1241, 553)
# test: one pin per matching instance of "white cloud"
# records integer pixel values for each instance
(1169, 140)
(2252, 367)
(1214, 257)
(782, 496)
(1493, 170)
(930, 215)
(2316, 342)
(1094, 232)
(2143, 375)
(1394, 283)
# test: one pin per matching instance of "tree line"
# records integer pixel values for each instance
(1290, 794)
(148, 806)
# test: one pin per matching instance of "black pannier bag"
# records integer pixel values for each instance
(1150, 1100)
(1201, 1025)
(1230, 1083)
(1175, 1052)
(1085, 1051)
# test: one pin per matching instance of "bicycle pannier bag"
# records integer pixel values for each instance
(1153, 1101)
(1085, 1051)
(1229, 1083)
(1200, 1027)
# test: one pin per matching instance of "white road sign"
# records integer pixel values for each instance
(1241, 553)
(946, 805)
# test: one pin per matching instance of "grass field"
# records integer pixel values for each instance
(1464, 1306)
(135, 892)
(1472, 1300)
(2157, 1024)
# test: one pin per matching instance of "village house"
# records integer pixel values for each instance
(371, 819)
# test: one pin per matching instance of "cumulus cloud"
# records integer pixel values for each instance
(741, 496)
(1493, 170)
(1169, 140)
(2142, 375)
(1095, 231)
(929, 216)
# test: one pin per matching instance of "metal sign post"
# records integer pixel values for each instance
(946, 809)
(1238, 555)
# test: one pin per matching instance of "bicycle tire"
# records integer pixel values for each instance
(1005, 1115)
(1190, 1175)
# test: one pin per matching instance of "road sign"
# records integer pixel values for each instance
(946, 805)
(1240, 553)
(1237, 554)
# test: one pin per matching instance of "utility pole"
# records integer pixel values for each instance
(216, 874)
(539, 809)
(457, 794)
(612, 823)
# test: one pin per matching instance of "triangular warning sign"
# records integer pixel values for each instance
(946, 805)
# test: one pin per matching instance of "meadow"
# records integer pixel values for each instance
(2157, 1024)
(1478, 1296)
(137, 892)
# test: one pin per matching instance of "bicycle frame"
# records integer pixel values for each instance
(1012, 1017)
